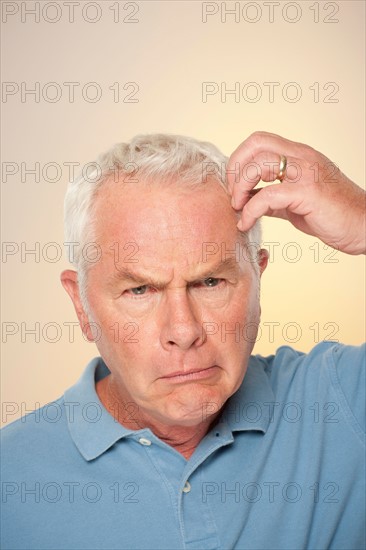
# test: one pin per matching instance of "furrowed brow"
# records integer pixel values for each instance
(123, 274)
(229, 265)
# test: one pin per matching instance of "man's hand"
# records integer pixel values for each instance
(314, 195)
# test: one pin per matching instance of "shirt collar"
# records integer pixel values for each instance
(250, 408)
(94, 430)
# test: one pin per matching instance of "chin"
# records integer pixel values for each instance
(194, 412)
(186, 421)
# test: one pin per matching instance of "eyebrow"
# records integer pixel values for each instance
(229, 265)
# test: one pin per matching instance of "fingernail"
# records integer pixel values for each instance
(233, 204)
(239, 225)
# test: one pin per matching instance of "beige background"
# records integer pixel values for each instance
(169, 52)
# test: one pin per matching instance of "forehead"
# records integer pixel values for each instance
(167, 222)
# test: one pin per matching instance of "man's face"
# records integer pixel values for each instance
(173, 293)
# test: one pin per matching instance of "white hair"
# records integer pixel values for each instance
(150, 157)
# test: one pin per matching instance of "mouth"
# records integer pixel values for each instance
(196, 374)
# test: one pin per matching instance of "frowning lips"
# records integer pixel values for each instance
(192, 374)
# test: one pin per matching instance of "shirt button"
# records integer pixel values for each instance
(144, 441)
(187, 487)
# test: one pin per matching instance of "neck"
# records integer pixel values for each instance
(183, 439)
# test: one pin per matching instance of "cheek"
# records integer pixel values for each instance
(234, 328)
(243, 305)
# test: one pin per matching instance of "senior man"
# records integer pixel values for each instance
(157, 446)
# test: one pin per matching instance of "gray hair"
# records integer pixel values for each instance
(151, 157)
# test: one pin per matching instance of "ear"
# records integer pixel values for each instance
(263, 256)
(69, 280)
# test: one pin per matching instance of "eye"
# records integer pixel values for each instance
(212, 281)
(138, 290)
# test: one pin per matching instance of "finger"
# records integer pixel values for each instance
(261, 142)
(265, 167)
(272, 199)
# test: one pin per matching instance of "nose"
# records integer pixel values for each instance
(181, 326)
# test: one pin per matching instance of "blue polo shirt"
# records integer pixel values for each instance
(282, 469)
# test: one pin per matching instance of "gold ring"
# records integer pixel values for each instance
(283, 163)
